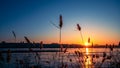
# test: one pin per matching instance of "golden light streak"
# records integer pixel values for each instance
(86, 43)
(87, 59)
(87, 51)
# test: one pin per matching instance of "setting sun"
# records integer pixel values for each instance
(86, 43)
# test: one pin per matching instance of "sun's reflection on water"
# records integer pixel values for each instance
(88, 62)
(87, 51)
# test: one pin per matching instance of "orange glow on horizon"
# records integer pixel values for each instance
(77, 41)
(99, 38)
(86, 43)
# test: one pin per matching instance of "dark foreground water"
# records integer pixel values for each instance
(69, 58)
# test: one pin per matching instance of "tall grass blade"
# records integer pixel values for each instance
(55, 25)
(27, 40)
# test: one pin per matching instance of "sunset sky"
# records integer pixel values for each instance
(99, 20)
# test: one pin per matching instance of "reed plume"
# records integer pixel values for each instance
(14, 35)
(61, 22)
(27, 40)
(89, 40)
(79, 29)
(41, 44)
(60, 26)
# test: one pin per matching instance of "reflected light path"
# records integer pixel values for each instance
(87, 51)
(87, 59)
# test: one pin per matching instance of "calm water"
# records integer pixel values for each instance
(84, 58)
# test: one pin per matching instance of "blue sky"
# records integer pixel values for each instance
(32, 18)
